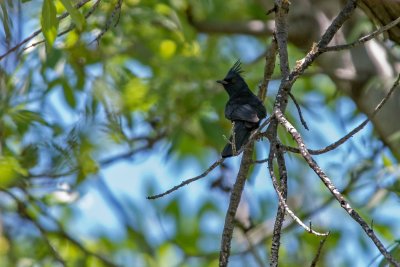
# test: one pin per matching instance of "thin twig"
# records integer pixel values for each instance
(352, 132)
(303, 122)
(321, 244)
(332, 188)
(282, 201)
(363, 39)
(188, 181)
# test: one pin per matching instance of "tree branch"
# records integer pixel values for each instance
(363, 39)
(335, 192)
(188, 181)
(233, 205)
(282, 203)
(352, 132)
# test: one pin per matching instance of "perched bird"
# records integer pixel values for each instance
(243, 108)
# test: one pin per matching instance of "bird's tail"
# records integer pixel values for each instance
(242, 134)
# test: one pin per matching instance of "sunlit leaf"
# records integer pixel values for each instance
(386, 161)
(10, 170)
(49, 21)
(76, 16)
(167, 48)
(136, 95)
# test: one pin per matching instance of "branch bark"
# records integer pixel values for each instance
(233, 205)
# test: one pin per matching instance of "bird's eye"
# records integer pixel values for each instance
(230, 80)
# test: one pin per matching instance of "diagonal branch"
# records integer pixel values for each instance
(282, 201)
(352, 132)
(363, 39)
(188, 181)
(332, 188)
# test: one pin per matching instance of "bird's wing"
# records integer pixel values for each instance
(243, 113)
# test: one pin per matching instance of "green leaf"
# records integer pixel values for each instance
(10, 170)
(76, 16)
(386, 161)
(49, 22)
(68, 94)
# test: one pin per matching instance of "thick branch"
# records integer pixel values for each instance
(233, 205)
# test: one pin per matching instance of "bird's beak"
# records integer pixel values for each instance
(222, 82)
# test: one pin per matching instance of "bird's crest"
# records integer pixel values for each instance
(236, 68)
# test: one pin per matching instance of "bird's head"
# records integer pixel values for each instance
(233, 81)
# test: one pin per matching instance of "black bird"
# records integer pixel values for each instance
(243, 108)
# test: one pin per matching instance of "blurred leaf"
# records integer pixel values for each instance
(167, 48)
(6, 23)
(29, 156)
(26, 116)
(76, 16)
(386, 161)
(136, 96)
(69, 95)
(10, 170)
(49, 21)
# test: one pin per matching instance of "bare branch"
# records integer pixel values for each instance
(282, 201)
(352, 132)
(281, 8)
(282, 192)
(335, 192)
(363, 39)
(315, 51)
(188, 181)
(233, 205)
(299, 111)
